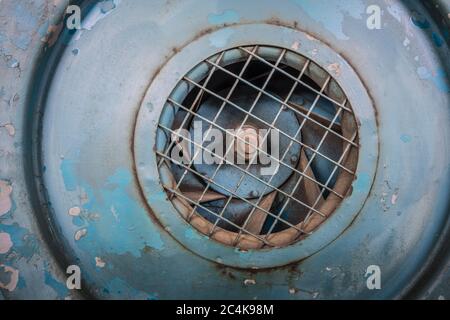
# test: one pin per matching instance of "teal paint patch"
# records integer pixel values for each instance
(406, 138)
(333, 20)
(220, 38)
(120, 288)
(419, 20)
(121, 177)
(60, 289)
(119, 229)
(67, 168)
(439, 78)
(362, 182)
(25, 244)
(21, 284)
(78, 221)
(438, 41)
(192, 234)
(226, 17)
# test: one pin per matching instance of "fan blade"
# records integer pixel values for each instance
(320, 119)
(195, 195)
(312, 189)
(258, 217)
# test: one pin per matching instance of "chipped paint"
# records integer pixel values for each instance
(419, 20)
(25, 243)
(394, 198)
(80, 234)
(5, 197)
(406, 42)
(9, 128)
(405, 138)
(98, 13)
(5, 242)
(438, 78)
(126, 236)
(97, 203)
(99, 262)
(13, 277)
(335, 68)
(74, 211)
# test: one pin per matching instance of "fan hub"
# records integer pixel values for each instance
(259, 122)
(247, 142)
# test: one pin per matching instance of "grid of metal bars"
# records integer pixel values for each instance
(349, 142)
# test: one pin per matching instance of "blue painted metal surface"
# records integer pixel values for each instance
(72, 190)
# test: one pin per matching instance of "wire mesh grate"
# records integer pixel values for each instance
(257, 146)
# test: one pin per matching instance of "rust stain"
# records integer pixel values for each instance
(53, 33)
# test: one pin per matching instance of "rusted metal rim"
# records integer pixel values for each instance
(249, 235)
(361, 162)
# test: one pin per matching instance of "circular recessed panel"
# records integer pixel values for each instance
(260, 146)
(256, 146)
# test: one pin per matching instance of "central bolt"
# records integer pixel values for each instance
(247, 142)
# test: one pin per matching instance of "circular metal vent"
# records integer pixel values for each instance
(257, 146)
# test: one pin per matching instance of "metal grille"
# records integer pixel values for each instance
(258, 87)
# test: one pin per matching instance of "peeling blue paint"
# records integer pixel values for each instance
(406, 138)
(60, 289)
(119, 210)
(25, 243)
(331, 19)
(439, 79)
(226, 17)
(68, 174)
